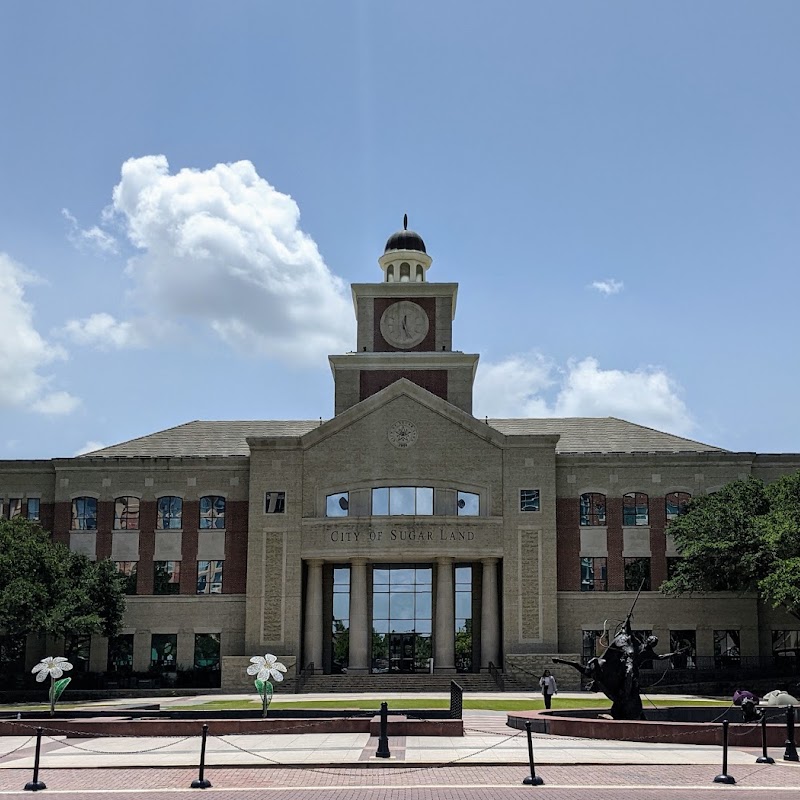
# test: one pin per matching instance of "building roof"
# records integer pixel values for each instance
(229, 438)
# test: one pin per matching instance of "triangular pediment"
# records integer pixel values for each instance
(403, 388)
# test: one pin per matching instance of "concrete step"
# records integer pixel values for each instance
(418, 682)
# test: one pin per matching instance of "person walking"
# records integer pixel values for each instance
(549, 687)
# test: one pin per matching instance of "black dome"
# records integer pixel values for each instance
(405, 240)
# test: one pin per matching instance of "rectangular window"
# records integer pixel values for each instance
(727, 651)
(337, 505)
(593, 509)
(637, 574)
(14, 507)
(592, 645)
(77, 650)
(469, 504)
(212, 513)
(164, 652)
(33, 508)
(528, 499)
(463, 585)
(84, 514)
(340, 626)
(130, 570)
(635, 509)
(166, 577)
(380, 502)
(675, 503)
(275, 503)
(684, 644)
(170, 513)
(206, 652)
(126, 514)
(786, 644)
(402, 501)
(209, 577)
(120, 653)
(593, 574)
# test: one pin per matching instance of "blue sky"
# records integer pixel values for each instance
(187, 188)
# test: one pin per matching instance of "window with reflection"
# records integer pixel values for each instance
(337, 505)
(593, 508)
(402, 501)
(126, 514)
(463, 586)
(77, 650)
(727, 648)
(120, 653)
(209, 577)
(129, 569)
(170, 513)
(684, 644)
(164, 652)
(275, 503)
(340, 624)
(593, 574)
(786, 644)
(635, 509)
(528, 499)
(468, 504)
(14, 507)
(206, 652)
(676, 503)
(637, 574)
(212, 512)
(592, 645)
(34, 504)
(166, 577)
(84, 514)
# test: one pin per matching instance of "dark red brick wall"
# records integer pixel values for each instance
(568, 544)
(658, 541)
(147, 544)
(434, 380)
(62, 519)
(616, 566)
(191, 519)
(428, 344)
(234, 573)
(105, 523)
(47, 512)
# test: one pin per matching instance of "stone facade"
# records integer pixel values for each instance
(402, 424)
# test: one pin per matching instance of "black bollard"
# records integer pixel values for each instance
(533, 779)
(36, 785)
(383, 741)
(764, 758)
(791, 749)
(202, 782)
(723, 777)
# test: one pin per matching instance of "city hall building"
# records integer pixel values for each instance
(402, 535)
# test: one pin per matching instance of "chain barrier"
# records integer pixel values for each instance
(11, 752)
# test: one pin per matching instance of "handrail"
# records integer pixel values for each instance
(497, 677)
(301, 680)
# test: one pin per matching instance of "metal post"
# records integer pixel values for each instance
(202, 782)
(383, 741)
(533, 779)
(764, 758)
(791, 749)
(723, 777)
(36, 785)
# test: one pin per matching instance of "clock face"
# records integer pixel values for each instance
(404, 324)
(403, 433)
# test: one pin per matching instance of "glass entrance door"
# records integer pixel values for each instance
(402, 652)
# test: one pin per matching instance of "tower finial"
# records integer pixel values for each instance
(405, 222)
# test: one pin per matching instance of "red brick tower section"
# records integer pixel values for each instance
(616, 565)
(234, 574)
(105, 524)
(47, 516)
(62, 520)
(658, 541)
(568, 544)
(147, 546)
(190, 522)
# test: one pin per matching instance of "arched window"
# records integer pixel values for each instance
(126, 514)
(593, 508)
(420, 274)
(675, 503)
(212, 512)
(634, 509)
(405, 272)
(84, 514)
(390, 273)
(170, 513)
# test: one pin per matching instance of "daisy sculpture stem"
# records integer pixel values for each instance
(265, 667)
(54, 668)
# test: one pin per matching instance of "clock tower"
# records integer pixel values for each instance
(405, 330)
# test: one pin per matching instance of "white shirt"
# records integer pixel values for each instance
(548, 684)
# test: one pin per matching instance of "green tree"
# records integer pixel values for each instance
(46, 588)
(745, 537)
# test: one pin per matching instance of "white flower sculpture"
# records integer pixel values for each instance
(53, 668)
(266, 668)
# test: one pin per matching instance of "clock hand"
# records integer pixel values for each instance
(405, 326)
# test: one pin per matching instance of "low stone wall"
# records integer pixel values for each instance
(236, 679)
(527, 668)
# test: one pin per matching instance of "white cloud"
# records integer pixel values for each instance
(93, 238)
(106, 333)
(222, 247)
(517, 387)
(89, 447)
(23, 351)
(608, 286)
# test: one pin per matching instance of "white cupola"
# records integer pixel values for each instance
(404, 259)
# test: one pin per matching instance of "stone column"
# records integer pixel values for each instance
(490, 616)
(445, 652)
(359, 655)
(313, 621)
